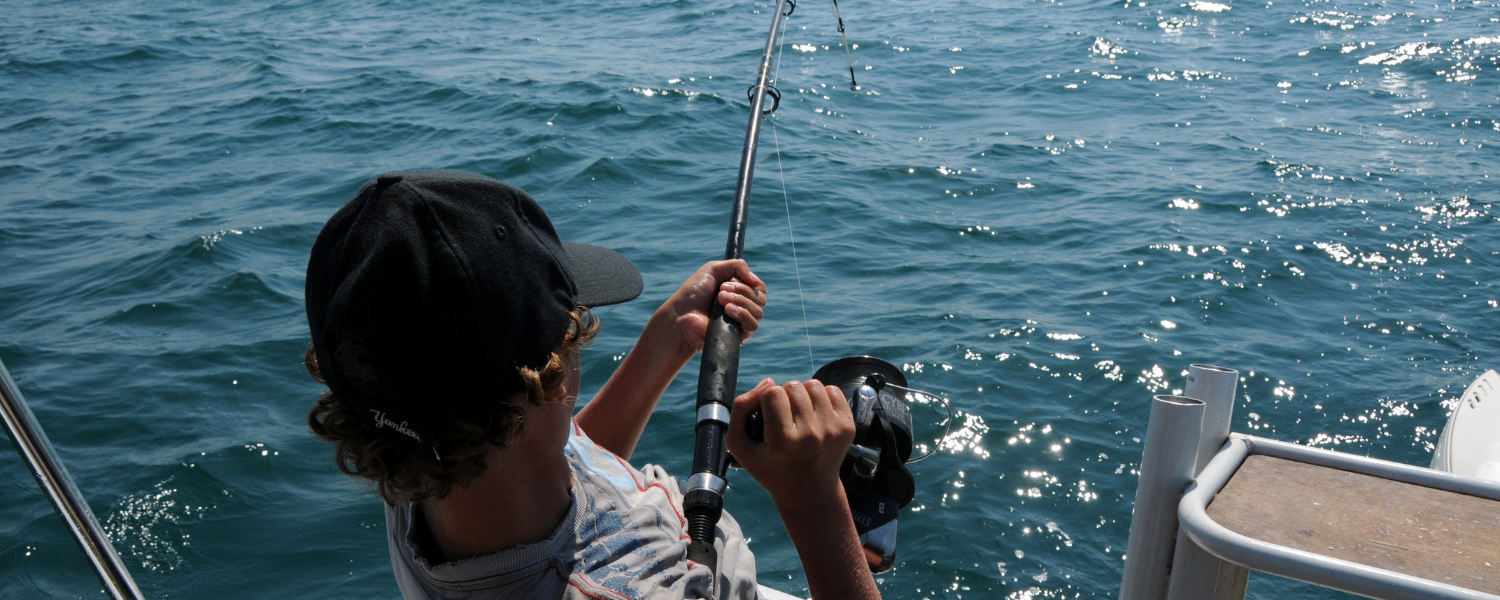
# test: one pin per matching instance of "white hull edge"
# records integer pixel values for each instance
(770, 594)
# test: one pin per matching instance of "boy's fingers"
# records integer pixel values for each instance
(725, 270)
(840, 403)
(739, 442)
(827, 414)
(843, 414)
(740, 306)
(831, 396)
(800, 404)
(735, 286)
(743, 272)
(776, 408)
(751, 305)
(816, 397)
(749, 402)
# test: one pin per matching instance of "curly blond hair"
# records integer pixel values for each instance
(397, 471)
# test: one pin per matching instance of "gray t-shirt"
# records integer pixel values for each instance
(624, 537)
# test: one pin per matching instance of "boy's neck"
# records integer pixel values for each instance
(521, 499)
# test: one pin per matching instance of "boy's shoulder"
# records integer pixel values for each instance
(608, 480)
(624, 537)
(631, 533)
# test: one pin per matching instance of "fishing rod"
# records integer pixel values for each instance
(31, 442)
(874, 474)
(704, 501)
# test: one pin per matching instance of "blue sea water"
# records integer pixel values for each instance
(1044, 210)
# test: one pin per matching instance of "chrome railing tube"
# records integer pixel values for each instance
(32, 443)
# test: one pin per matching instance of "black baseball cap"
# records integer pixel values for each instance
(452, 281)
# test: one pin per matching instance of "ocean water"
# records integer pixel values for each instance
(1043, 210)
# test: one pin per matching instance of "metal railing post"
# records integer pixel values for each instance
(1196, 574)
(1167, 465)
(33, 445)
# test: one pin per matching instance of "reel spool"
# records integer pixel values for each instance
(874, 473)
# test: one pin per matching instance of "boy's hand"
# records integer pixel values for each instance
(617, 415)
(732, 283)
(808, 429)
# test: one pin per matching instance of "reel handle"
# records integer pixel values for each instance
(865, 459)
(755, 426)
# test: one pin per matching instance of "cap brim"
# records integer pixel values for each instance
(603, 276)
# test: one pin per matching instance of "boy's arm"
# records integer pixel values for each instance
(808, 428)
(617, 415)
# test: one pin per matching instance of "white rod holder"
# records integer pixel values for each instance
(1195, 572)
(1167, 465)
(1215, 386)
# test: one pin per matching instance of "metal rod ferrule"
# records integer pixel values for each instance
(705, 481)
(713, 412)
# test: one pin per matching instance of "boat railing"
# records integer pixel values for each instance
(31, 442)
(1313, 567)
(1366, 526)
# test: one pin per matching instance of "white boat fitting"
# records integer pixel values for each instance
(1470, 444)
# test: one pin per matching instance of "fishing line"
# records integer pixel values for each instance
(786, 201)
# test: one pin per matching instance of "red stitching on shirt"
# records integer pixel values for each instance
(680, 521)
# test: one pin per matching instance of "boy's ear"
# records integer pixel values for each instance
(560, 392)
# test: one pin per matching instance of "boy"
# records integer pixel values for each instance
(447, 318)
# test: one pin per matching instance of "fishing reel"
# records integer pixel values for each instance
(874, 474)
